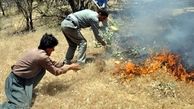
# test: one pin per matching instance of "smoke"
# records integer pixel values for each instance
(158, 24)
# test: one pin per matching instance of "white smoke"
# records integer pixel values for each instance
(159, 24)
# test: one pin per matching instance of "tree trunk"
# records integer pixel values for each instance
(76, 5)
(27, 24)
(1, 6)
(73, 5)
(31, 23)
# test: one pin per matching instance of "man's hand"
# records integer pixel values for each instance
(75, 66)
(67, 67)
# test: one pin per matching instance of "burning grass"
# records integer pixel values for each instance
(171, 61)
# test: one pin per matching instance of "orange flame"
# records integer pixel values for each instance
(152, 64)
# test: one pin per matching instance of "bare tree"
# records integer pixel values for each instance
(1, 6)
(52, 9)
(25, 7)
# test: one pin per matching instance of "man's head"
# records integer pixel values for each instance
(48, 43)
(103, 14)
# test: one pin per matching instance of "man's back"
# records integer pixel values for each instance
(81, 19)
(29, 65)
(86, 18)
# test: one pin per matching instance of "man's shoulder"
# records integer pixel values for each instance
(38, 54)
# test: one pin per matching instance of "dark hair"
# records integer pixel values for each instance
(47, 41)
(103, 12)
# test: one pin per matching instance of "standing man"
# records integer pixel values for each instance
(71, 29)
(29, 70)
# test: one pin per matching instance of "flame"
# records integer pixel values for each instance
(171, 61)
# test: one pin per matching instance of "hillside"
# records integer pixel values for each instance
(95, 86)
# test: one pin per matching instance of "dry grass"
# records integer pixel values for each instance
(93, 87)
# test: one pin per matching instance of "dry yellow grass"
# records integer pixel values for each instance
(93, 87)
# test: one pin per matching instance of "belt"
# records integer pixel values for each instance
(20, 79)
(71, 21)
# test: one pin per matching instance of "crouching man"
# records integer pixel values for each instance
(29, 70)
